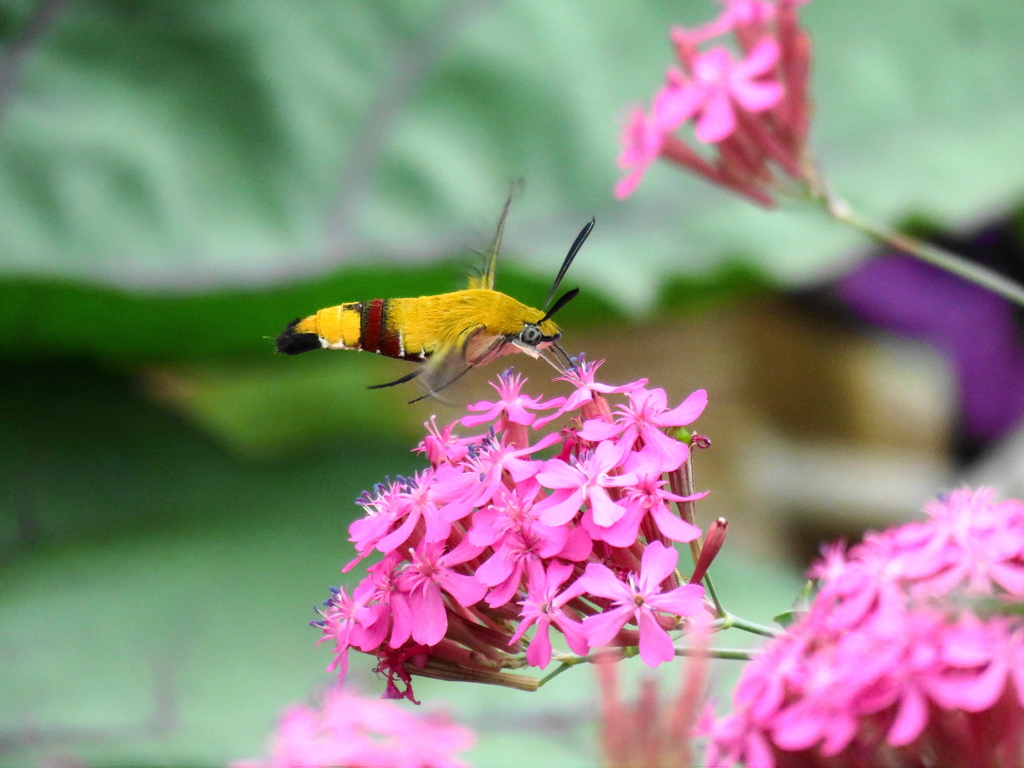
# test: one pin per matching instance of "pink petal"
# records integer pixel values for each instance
(573, 631)
(601, 581)
(657, 563)
(761, 59)
(911, 719)
(538, 654)
(717, 121)
(686, 412)
(687, 600)
(495, 569)
(672, 526)
(560, 507)
(597, 429)
(622, 533)
(755, 96)
(675, 104)
(601, 628)
(655, 643)
(557, 475)
(623, 189)
(578, 546)
(505, 591)
(605, 511)
(430, 621)
(464, 588)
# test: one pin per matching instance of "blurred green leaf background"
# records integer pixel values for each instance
(180, 178)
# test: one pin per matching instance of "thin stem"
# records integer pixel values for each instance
(731, 654)
(926, 252)
(568, 660)
(566, 664)
(719, 610)
(731, 621)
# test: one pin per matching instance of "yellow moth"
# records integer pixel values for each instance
(449, 333)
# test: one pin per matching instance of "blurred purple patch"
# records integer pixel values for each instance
(974, 329)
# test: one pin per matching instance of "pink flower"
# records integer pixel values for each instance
(348, 730)
(647, 496)
(490, 525)
(637, 599)
(648, 731)
(485, 470)
(511, 405)
(720, 84)
(441, 444)
(345, 620)
(586, 480)
(517, 540)
(890, 665)
(644, 419)
(750, 112)
(642, 139)
(420, 503)
(429, 573)
(543, 607)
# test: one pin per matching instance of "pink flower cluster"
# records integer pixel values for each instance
(748, 100)
(350, 731)
(500, 535)
(912, 653)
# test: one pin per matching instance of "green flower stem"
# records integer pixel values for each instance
(719, 610)
(938, 257)
(730, 621)
(569, 660)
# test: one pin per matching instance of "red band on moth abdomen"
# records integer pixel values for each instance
(370, 325)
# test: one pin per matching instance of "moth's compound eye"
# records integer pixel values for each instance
(531, 335)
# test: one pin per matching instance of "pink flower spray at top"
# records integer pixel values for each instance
(533, 518)
(735, 111)
(740, 83)
(912, 653)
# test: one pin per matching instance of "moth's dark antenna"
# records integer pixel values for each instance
(564, 299)
(577, 244)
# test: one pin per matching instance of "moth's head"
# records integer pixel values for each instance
(537, 335)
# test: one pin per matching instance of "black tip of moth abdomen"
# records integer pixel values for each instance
(291, 342)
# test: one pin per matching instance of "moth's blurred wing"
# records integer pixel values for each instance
(486, 277)
(455, 358)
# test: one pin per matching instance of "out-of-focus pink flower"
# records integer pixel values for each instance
(746, 98)
(904, 658)
(647, 733)
(351, 731)
(720, 85)
(526, 527)
(641, 145)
